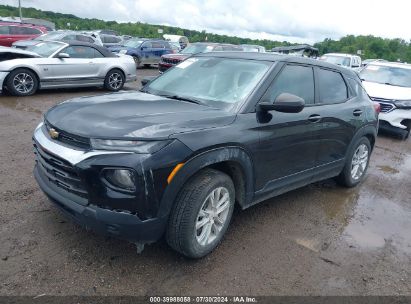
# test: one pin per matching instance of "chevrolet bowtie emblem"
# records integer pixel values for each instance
(53, 133)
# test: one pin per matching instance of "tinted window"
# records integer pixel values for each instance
(296, 80)
(80, 52)
(332, 87)
(17, 30)
(4, 30)
(157, 45)
(85, 39)
(146, 45)
(69, 38)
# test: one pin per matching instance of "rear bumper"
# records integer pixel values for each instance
(117, 224)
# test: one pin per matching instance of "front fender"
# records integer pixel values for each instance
(206, 159)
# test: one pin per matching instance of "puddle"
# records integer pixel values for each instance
(388, 169)
(14, 103)
(378, 222)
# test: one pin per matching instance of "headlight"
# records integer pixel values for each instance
(122, 52)
(137, 146)
(121, 178)
(403, 104)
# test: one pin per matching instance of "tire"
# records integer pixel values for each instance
(22, 82)
(189, 211)
(137, 60)
(406, 133)
(349, 177)
(114, 80)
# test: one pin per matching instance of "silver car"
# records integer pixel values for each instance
(58, 36)
(56, 64)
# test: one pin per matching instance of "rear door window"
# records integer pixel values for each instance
(85, 39)
(4, 30)
(293, 79)
(332, 87)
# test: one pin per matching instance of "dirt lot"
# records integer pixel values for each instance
(319, 240)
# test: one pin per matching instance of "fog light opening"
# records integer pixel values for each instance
(121, 178)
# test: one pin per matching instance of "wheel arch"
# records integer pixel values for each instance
(117, 68)
(233, 161)
(369, 132)
(36, 74)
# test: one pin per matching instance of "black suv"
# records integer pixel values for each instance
(218, 130)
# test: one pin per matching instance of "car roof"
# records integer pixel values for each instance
(278, 57)
(101, 49)
(340, 55)
(391, 64)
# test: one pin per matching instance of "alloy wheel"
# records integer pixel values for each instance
(212, 216)
(23, 83)
(359, 162)
(115, 81)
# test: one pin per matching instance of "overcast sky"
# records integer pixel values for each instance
(290, 20)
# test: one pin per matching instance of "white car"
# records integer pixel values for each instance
(389, 84)
(345, 60)
(55, 64)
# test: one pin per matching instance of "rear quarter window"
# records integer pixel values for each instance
(4, 30)
(332, 87)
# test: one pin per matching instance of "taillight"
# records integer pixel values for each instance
(377, 107)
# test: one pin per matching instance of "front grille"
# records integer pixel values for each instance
(70, 139)
(387, 105)
(59, 172)
(172, 61)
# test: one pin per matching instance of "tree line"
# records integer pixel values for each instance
(370, 46)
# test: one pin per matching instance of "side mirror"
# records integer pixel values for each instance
(63, 55)
(285, 102)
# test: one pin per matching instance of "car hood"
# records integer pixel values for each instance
(177, 56)
(134, 115)
(384, 91)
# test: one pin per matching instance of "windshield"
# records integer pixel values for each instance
(197, 48)
(45, 49)
(338, 60)
(218, 82)
(396, 76)
(49, 36)
(133, 43)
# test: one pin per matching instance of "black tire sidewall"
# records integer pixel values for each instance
(107, 85)
(11, 88)
(187, 239)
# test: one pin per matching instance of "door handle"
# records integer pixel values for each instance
(314, 118)
(357, 112)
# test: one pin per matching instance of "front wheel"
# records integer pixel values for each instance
(356, 164)
(22, 82)
(114, 80)
(201, 214)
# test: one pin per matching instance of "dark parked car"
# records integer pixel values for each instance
(15, 31)
(168, 61)
(218, 130)
(144, 51)
(111, 40)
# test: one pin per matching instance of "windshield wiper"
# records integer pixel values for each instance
(183, 98)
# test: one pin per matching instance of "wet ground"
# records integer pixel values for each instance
(318, 240)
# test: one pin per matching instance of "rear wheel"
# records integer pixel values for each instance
(22, 82)
(201, 214)
(114, 80)
(137, 60)
(356, 164)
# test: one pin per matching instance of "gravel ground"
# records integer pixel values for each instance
(318, 240)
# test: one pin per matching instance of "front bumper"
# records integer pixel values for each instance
(103, 221)
(162, 67)
(395, 117)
